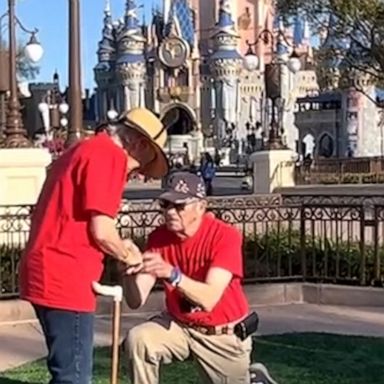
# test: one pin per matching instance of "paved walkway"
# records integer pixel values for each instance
(23, 342)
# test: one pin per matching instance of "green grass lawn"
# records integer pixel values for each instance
(291, 358)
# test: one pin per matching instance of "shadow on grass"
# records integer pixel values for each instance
(321, 358)
(4, 380)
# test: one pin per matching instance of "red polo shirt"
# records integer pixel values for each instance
(216, 244)
(61, 260)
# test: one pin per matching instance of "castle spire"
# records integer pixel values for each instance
(131, 18)
(107, 8)
(225, 36)
(225, 15)
(298, 31)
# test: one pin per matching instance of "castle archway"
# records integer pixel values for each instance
(180, 119)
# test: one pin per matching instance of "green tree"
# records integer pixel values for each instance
(356, 28)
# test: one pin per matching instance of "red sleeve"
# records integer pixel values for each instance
(104, 177)
(227, 251)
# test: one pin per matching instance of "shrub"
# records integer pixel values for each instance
(281, 255)
(329, 179)
(370, 179)
(9, 259)
(351, 178)
(276, 254)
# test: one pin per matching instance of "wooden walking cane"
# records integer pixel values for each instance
(117, 293)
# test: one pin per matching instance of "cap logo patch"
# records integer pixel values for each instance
(182, 187)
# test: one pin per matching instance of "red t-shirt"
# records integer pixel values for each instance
(216, 244)
(61, 260)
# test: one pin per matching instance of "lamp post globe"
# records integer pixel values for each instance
(112, 115)
(33, 50)
(43, 107)
(251, 62)
(294, 64)
(64, 122)
(63, 108)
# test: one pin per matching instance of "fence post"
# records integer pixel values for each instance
(303, 243)
(377, 265)
(363, 279)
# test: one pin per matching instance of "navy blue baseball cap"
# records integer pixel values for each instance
(182, 187)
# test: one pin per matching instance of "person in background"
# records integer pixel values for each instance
(217, 158)
(208, 172)
(199, 260)
(73, 226)
(186, 156)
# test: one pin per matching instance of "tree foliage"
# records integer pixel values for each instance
(26, 69)
(354, 30)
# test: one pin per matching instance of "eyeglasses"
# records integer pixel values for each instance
(166, 205)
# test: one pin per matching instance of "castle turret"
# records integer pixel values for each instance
(130, 63)
(104, 69)
(226, 64)
(334, 46)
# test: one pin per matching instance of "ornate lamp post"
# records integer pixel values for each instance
(15, 134)
(272, 78)
(74, 93)
(53, 111)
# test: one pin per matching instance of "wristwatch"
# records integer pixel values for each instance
(175, 277)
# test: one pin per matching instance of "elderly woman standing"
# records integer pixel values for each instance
(73, 226)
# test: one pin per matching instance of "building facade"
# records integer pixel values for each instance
(345, 119)
(187, 66)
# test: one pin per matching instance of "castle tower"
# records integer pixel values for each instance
(226, 65)
(130, 63)
(104, 69)
(250, 18)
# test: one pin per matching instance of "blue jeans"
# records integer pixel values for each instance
(69, 339)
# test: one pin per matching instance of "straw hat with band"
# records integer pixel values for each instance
(147, 124)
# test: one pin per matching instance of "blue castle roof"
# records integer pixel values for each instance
(131, 19)
(335, 43)
(298, 30)
(225, 26)
(133, 33)
(181, 14)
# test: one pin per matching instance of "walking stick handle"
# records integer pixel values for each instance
(115, 291)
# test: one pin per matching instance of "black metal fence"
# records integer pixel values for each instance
(319, 239)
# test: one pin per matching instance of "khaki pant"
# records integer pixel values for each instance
(223, 359)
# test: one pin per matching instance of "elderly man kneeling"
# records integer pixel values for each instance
(199, 260)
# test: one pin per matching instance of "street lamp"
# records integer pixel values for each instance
(112, 115)
(74, 91)
(15, 134)
(272, 78)
(33, 50)
(53, 112)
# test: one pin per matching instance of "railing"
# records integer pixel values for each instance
(363, 170)
(333, 240)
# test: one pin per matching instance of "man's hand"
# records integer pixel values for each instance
(126, 270)
(155, 265)
(134, 257)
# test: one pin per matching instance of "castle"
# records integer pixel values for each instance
(188, 67)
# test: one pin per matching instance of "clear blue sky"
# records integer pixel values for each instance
(51, 18)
